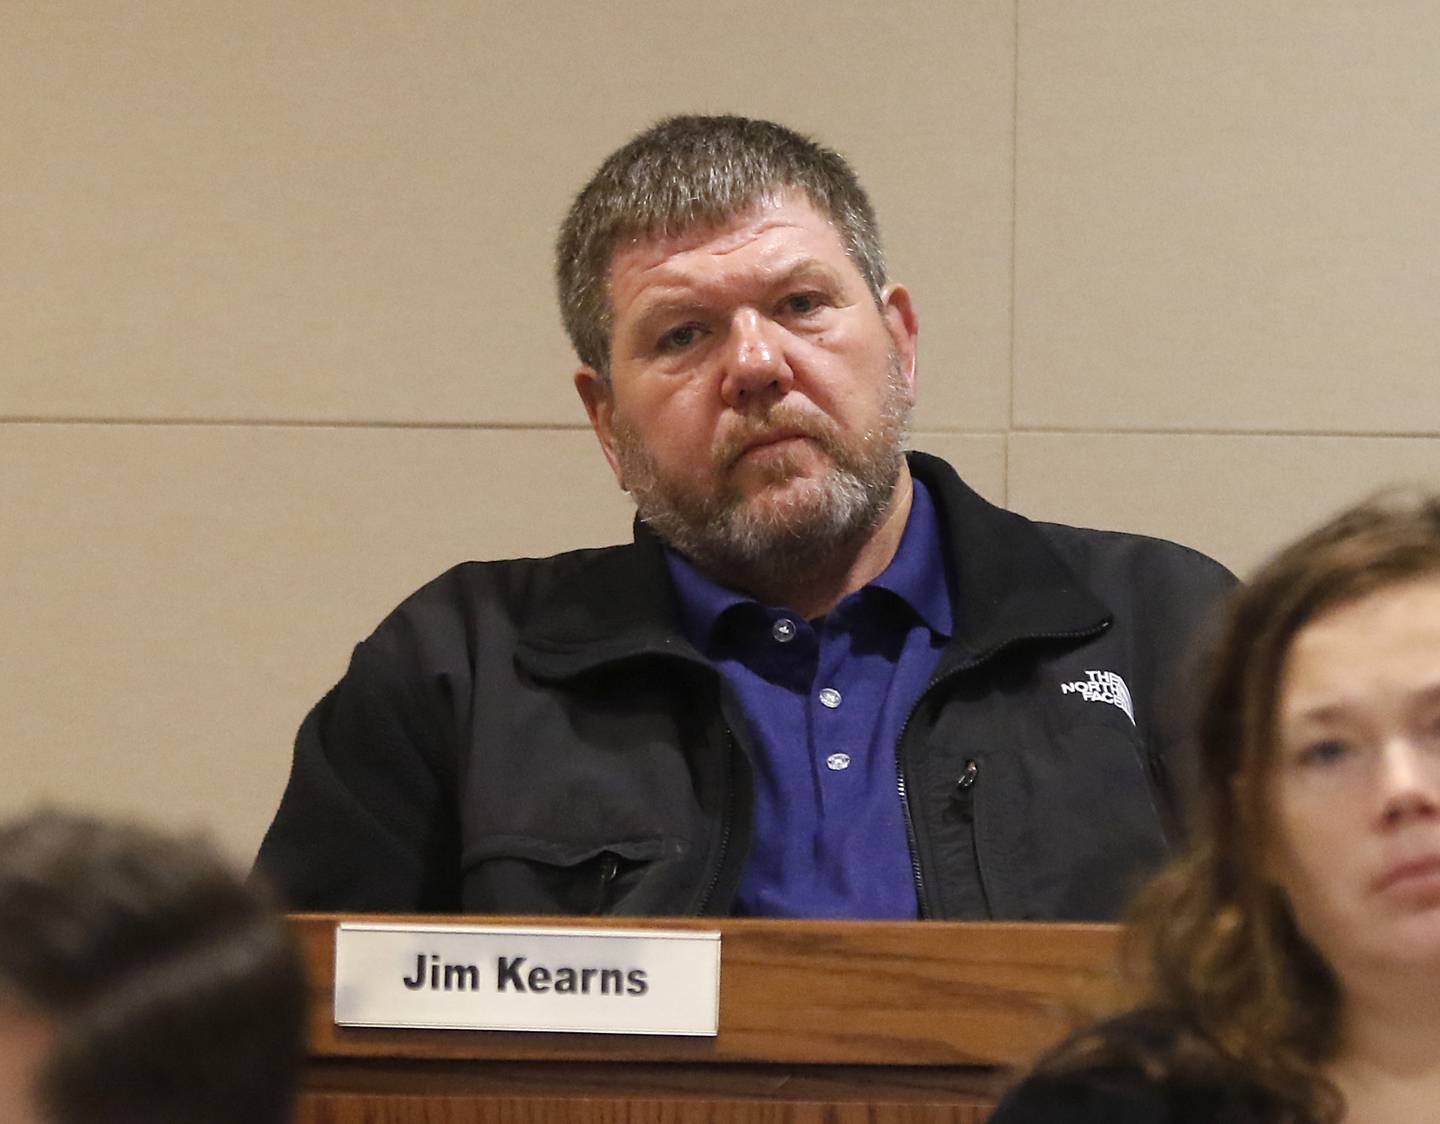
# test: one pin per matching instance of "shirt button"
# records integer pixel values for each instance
(837, 761)
(783, 630)
(830, 697)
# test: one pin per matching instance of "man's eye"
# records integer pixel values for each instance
(677, 339)
(801, 304)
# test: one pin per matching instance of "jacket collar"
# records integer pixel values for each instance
(618, 605)
(1009, 586)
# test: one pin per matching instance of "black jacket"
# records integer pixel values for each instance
(536, 736)
(1138, 1073)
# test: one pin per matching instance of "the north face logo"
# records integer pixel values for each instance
(1103, 686)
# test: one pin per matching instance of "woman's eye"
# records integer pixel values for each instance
(1320, 753)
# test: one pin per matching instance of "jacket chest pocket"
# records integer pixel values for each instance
(525, 875)
(1066, 831)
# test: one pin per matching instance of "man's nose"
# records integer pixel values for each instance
(756, 368)
(1409, 781)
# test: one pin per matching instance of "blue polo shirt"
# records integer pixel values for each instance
(826, 702)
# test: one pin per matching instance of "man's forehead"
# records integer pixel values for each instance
(781, 207)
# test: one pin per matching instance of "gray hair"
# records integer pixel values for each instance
(687, 173)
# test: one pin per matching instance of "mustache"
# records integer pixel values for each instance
(781, 418)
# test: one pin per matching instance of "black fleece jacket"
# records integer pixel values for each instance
(536, 736)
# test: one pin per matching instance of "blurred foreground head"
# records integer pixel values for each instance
(140, 981)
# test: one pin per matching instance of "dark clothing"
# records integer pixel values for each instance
(1123, 1097)
(825, 702)
(538, 736)
(1120, 1088)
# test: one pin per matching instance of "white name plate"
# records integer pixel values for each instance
(469, 977)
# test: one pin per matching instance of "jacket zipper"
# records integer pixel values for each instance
(726, 822)
(911, 836)
(609, 868)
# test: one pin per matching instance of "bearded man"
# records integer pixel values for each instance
(826, 679)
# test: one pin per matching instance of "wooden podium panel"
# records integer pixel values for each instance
(875, 1022)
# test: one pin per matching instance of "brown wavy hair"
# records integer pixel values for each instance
(1212, 945)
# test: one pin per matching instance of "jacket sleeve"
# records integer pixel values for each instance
(367, 821)
(1185, 621)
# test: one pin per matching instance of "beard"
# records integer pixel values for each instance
(790, 525)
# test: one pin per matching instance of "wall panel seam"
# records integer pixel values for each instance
(1368, 435)
(294, 423)
(1014, 201)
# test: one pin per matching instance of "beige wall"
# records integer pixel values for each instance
(277, 341)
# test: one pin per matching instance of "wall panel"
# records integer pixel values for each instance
(1236, 497)
(178, 596)
(1226, 216)
(344, 211)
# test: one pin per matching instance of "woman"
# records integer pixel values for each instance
(1289, 961)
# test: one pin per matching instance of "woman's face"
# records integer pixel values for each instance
(1357, 780)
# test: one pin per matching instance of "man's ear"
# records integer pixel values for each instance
(899, 313)
(599, 398)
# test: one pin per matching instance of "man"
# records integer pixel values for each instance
(140, 982)
(824, 680)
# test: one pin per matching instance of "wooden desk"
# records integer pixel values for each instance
(871, 1022)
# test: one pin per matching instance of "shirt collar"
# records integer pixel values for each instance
(917, 575)
(702, 601)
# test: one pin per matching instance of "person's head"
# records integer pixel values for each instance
(694, 173)
(744, 362)
(1314, 866)
(140, 981)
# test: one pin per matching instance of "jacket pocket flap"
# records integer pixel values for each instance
(567, 854)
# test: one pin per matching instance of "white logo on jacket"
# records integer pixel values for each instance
(1103, 686)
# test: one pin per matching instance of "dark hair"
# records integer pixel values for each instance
(691, 172)
(1213, 943)
(174, 990)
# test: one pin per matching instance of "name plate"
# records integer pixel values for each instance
(471, 977)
